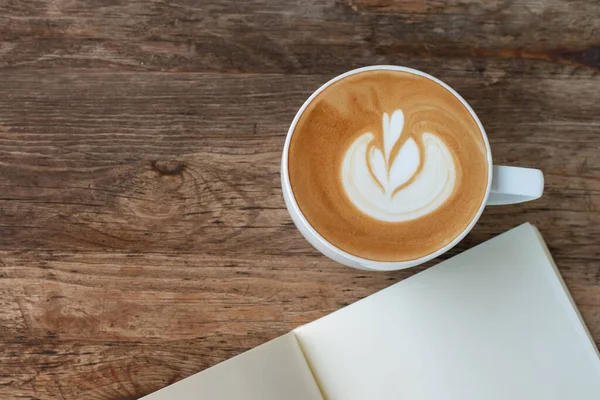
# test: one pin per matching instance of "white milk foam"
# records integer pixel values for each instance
(373, 182)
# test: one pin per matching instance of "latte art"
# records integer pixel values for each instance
(403, 180)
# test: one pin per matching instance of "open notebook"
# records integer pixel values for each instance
(495, 322)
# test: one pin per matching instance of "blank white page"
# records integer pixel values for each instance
(276, 370)
(493, 323)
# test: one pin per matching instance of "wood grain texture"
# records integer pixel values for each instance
(309, 36)
(143, 236)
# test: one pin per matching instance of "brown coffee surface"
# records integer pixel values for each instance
(354, 105)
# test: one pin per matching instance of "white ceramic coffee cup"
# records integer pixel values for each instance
(506, 185)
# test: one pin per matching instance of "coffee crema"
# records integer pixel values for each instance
(388, 165)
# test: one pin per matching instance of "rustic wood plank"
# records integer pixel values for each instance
(190, 162)
(310, 36)
(112, 325)
(143, 236)
(103, 325)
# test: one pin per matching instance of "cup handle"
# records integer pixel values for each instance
(512, 185)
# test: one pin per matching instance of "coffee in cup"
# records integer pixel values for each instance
(388, 165)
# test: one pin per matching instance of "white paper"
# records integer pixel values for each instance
(276, 370)
(493, 323)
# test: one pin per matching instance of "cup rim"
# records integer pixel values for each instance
(365, 262)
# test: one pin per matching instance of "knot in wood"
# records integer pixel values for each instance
(170, 168)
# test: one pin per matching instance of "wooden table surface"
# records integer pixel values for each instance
(143, 235)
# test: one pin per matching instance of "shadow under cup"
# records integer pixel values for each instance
(385, 168)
